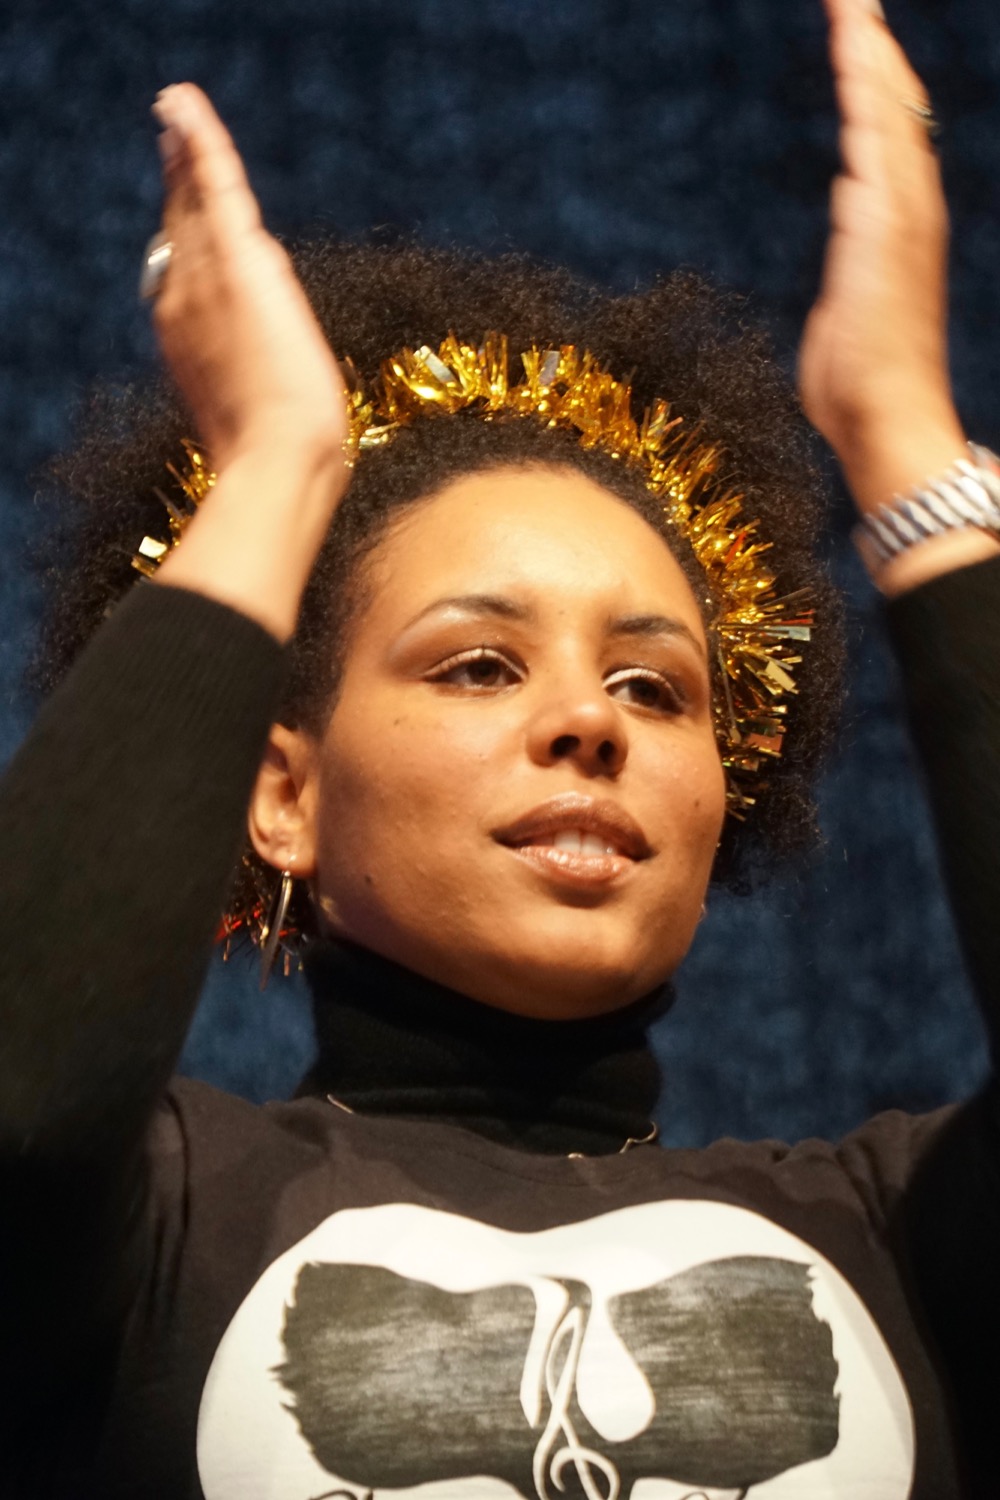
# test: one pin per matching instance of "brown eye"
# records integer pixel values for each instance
(482, 668)
(484, 671)
(643, 688)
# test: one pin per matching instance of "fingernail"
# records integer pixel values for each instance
(170, 144)
(173, 108)
(161, 104)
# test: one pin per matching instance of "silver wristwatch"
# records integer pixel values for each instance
(968, 494)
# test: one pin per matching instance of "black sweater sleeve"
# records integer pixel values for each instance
(121, 817)
(947, 639)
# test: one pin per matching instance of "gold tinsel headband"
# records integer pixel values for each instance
(756, 631)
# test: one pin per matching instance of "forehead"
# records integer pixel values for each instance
(552, 536)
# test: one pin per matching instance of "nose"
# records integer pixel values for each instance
(583, 726)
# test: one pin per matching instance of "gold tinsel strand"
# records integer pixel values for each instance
(757, 633)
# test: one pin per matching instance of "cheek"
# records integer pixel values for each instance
(400, 796)
(690, 794)
(709, 804)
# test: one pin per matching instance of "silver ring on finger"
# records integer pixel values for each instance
(923, 112)
(155, 265)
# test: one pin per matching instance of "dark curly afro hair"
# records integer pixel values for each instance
(682, 339)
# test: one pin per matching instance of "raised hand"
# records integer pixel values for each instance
(232, 319)
(873, 364)
(263, 386)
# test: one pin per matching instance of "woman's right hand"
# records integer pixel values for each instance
(261, 381)
(233, 321)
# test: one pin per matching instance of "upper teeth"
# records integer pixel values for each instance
(582, 843)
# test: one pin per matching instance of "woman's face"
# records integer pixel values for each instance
(519, 792)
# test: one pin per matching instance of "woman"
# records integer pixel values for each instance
(459, 1260)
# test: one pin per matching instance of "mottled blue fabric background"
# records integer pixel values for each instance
(619, 137)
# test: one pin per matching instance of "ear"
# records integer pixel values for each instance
(283, 804)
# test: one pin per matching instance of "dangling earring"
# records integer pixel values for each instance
(270, 933)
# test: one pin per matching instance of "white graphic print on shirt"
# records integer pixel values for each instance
(664, 1351)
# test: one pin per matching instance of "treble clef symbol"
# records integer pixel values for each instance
(551, 1460)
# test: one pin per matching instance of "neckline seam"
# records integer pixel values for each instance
(485, 1151)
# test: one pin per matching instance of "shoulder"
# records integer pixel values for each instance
(210, 1130)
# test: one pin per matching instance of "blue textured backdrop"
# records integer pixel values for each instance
(620, 137)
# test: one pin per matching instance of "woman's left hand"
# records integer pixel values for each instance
(873, 364)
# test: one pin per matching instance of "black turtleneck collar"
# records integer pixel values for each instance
(392, 1042)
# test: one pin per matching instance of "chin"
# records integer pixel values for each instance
(564, 980)
(554, 962)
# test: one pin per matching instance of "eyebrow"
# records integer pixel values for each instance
(653, 625)
(498, 605)
(501, 606)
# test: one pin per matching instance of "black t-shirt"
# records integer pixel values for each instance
(208, 1298)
